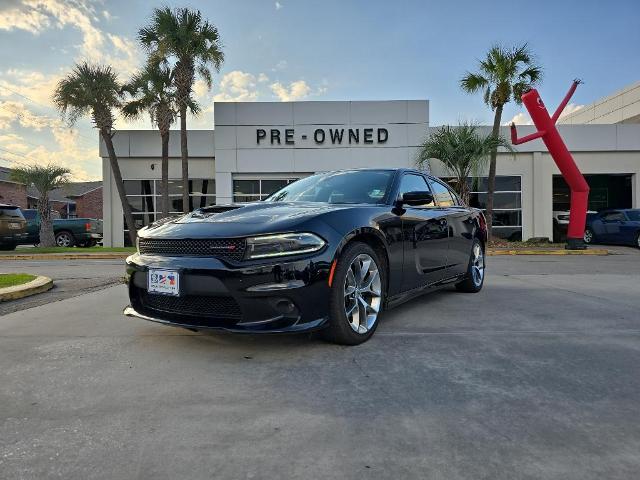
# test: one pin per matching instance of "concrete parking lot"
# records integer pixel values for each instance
(537, 376)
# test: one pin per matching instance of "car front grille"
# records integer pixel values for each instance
(214, 307)
(223, 248)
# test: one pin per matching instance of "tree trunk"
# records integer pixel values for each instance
(164, 183)
(117, 176)
(185, 158)
(47, 237)
(491, 181)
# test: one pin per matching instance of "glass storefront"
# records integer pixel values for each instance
(254, 189)
(507, 203)
(144, 198)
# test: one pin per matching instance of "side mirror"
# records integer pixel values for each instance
(417, 198)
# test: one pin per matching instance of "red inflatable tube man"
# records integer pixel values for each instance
(547, 131)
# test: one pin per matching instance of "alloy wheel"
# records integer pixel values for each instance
(63, 240)
(588, 236)
(477, 265)
(362, 293)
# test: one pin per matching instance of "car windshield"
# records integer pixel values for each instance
(10, 212)
(354, 186)
(634, 215)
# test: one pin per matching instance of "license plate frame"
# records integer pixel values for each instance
(159, 281)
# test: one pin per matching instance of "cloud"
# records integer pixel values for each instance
(570, 108)
(19, 16)
(281, 65)
(279, 6)
(523, 118)
(295, 91)
(262, 77)
(519, 119)
(237, 86)
(35, 16)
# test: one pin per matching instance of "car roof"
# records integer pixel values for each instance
(6, 205)
(620, 210)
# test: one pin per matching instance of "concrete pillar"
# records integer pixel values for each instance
(542, 196)
(107, 217)
(224, 188)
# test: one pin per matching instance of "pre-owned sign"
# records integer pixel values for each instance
(336, 136)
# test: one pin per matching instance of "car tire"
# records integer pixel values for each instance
(8, 246)
(354, 296)
(65, 239)
(589, 237)
(87, 243)
(474, 279)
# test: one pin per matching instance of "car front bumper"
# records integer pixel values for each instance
(287, 296)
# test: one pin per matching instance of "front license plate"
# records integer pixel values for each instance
(165, 282)
(14, 225)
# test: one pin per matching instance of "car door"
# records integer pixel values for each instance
(612, 223)
(425, 237)
(460, 226)
(628, 228)
(33, 225)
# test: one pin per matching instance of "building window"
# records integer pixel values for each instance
(254, 189)
(144, 197)
(507, 203)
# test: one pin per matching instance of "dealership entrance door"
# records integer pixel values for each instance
(605, 191)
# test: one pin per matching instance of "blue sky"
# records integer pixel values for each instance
(316, 50)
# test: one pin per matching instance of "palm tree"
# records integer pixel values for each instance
(188, 45)
(94, 90)
(152, 91)
(44, 179)
(462, 151)
(504, 74)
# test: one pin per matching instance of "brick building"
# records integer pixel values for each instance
(89, 202)
(11, 192)
(73, 200)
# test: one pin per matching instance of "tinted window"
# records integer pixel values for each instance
(441, 194)
(633, 215)
(10, 212)
(29, 214)
(356, 186)
(413, 183)
(613, 216)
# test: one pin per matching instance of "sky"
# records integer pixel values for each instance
(289, 50)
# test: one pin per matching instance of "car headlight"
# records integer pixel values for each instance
(282, 244)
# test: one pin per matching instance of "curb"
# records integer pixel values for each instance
(540, 251)
(70, 256)
(38, 285)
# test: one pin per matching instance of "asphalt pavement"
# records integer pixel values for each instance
(537, 376)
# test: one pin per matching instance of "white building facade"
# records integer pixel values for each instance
(256, 148)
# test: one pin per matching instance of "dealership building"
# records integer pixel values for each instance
(258, 147)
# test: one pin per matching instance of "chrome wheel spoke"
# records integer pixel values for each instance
(362, 293)
(477, 265)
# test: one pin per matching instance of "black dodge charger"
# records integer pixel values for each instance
(328, 252)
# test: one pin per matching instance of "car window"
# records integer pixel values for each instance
(29, 214)
(442, 194)
(633, 215)
(10, 212)
(350, 186)
(411, 182)
(613, 216)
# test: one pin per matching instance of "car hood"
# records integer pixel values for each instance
(239, 220)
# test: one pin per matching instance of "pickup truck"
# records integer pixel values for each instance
(83, 232)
